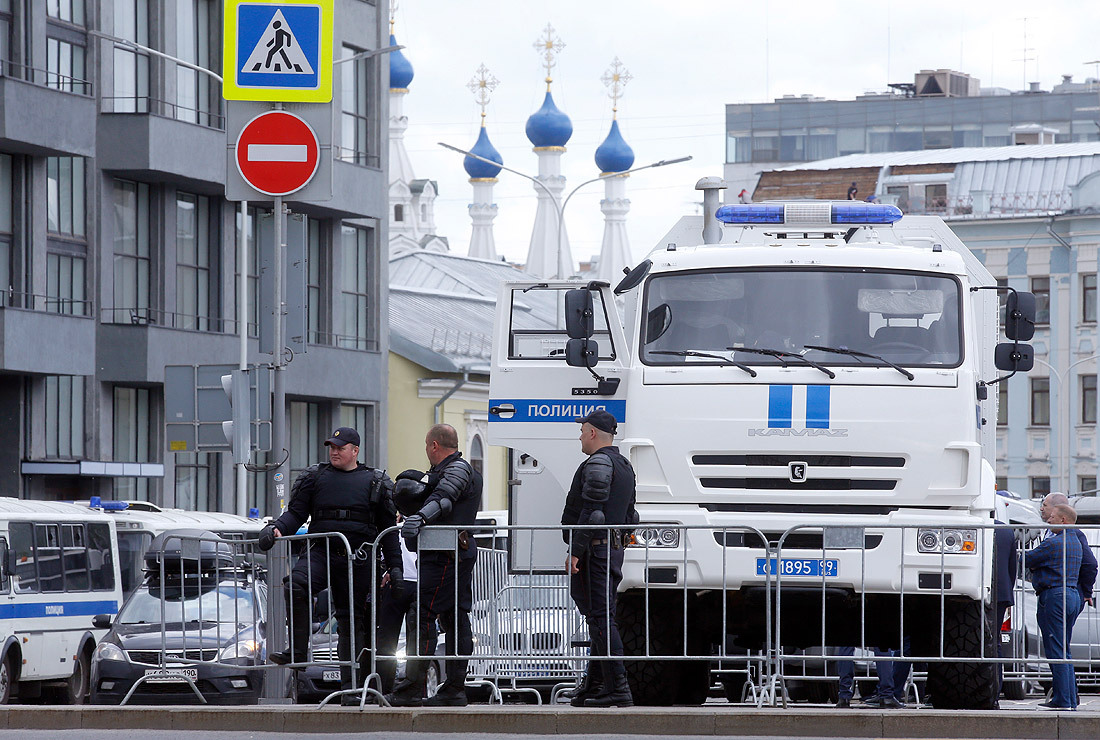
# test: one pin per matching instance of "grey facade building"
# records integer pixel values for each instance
(118, 250)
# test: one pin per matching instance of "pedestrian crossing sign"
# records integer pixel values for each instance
(278, 50)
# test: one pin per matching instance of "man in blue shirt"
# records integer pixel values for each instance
(1087, 579)
(1055, 567)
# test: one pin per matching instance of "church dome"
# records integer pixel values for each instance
(614, 154)
(477, 169)
(401, 70)
(548, 126)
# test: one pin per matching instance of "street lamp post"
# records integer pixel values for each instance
(1067, 421)
(560, 207)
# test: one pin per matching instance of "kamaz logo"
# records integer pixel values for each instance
(798, 432)
(796, 471)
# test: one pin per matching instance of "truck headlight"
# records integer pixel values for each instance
(950, 541)
(655, 537)
(245, 649)
(108, 651)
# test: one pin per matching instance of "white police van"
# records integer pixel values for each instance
(808, 364)
(59, 567)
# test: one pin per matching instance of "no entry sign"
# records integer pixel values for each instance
(277, 153)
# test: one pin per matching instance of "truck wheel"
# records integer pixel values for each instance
(76, 688)
(652, 682)
(693, 685)
(965, 685)
(7, 679)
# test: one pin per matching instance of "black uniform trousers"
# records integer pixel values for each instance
(310, 575)
(438, 598)
(595, 590)
(393, 610)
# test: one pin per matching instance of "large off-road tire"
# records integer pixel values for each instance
(656, 682)
(965, 685)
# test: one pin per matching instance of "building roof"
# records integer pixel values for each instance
(950, 156)
(442, 308)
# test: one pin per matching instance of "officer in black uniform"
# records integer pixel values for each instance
(452, 496)
(602, 492)
(343, 496)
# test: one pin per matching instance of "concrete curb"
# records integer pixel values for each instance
(560, 720)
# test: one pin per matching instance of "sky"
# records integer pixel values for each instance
(688, 59)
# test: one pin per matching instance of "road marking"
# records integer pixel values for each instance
(277, 153)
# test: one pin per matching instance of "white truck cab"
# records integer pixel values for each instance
(817, 365)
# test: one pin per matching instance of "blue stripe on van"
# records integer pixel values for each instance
(57, 609)
(780, 399)
(817, 406)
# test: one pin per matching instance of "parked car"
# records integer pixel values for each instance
(200, 614)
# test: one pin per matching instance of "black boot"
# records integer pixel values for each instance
(449, 695)
(589, 687)
(615, 694)
(406, 693)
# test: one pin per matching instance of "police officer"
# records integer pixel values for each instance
(451, 495)
(343, 496)
(602, 493)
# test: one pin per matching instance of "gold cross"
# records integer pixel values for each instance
(616, 78)
(548, 46)
(481, 85)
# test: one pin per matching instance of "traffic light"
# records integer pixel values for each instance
(237, 431)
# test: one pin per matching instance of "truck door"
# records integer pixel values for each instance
(535, 399)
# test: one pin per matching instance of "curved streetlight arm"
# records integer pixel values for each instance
(609, 175)
(498, 164)
(147, 50)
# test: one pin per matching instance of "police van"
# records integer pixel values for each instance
(826, 367)
(59, 567)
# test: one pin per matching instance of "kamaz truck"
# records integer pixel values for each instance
(822, 369)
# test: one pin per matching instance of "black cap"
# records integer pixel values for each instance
(600, 419)
(343, 436)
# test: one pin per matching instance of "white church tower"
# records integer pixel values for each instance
(614, 155)
(483, 174)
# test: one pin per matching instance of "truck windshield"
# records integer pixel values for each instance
(906, 318)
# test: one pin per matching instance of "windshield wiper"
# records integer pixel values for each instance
(781, 354)
(858, 355)
(693, 353)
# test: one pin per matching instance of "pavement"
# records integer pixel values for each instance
(1014, 720)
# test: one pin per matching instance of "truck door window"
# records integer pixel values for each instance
(537, 325)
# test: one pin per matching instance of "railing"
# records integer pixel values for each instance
(162, 108)
(343, 341)
(997, 204)
(48, 303)
(170, 320)
(46, 78)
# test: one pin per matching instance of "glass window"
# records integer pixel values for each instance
(65, 67)
(820, 146)
(198, 41)
(902, 192)
(477, 454)
(398, 212)
(538, 332)
(317, 310)
(1040, 486)
(255, 243)
(66, 10)
(938, 138)
(739, 146)
(64, 411)
(6, 229)
(74, 557)
(935, 198)
(100, 560)
(792, 147)
(197, 481)
(1001, 482)
(22, 544)
(5, 37)
(1088, 298)
(1040, 286)
(355, 89)
(360, 419)
(133, 440)
(356, 333)
(765, 147)
(65, 201)
(1002, 403)
(132, 299)
(131, 67)
(1040, 401)
(196, 261)
(1086, 485)
(1088, 399)
(65, 284)
(307, 436)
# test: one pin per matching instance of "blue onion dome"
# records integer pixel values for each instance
(401, 69)
(478, 169)
(548, 126)
(614, 154)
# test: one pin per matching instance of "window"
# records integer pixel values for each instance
(65, 284)
(316, 269)
(307, 435)
(1040, 487)
(196, 261)
(398, 212)
(477, 454)
(1040, 401)
(64, 427)
(1002, 403)
(65, 67)
(1088, 298)
(197, 481)
(1086, 485)
(1001, 482)
(65, 202)
(52, 558)
(133, 439)
(198, 41)
(7, 231)
(1088, 399)
(132, 299)
(935, 198)
(359, 418)
(1040, 286)
(6, 21)
(71, 11)
(902, 191)
(1002, 301)
(355, 87)
(131, 67)
(357, 252)
(255, 243)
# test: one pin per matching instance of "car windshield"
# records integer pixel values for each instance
(226, 603)
(828, 316)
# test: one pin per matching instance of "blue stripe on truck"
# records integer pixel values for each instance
(780, 400)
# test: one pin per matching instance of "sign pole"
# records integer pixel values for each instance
(242, 327)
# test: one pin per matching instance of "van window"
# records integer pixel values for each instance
(52, 558)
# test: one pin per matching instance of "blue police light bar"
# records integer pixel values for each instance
(807, 214)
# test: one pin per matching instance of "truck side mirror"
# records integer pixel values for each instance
(582, 352)
(1020, 316)
(1014, 357)
(102, 621)
(579, 321)
(7, 562)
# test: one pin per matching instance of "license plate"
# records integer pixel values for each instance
(330, 675)
(812, 567)
(171, 675)
(1006, 637)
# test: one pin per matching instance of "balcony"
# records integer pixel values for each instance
(46, 335)
(158, 141)
(134, 344)
(45, 114)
